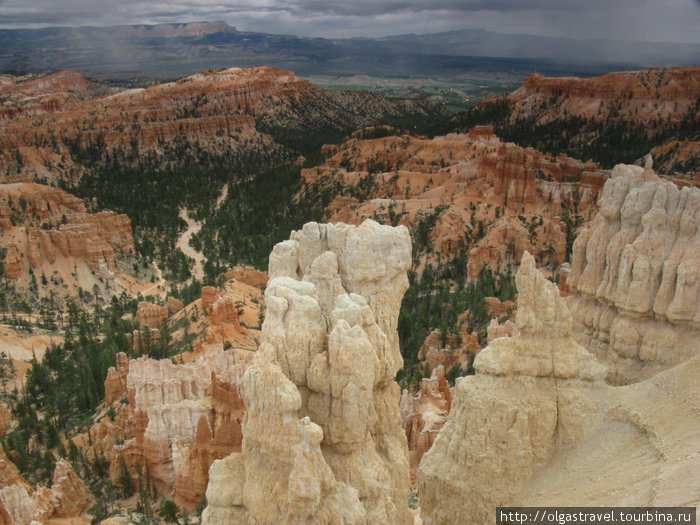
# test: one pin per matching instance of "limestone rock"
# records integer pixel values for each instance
(452, 353)
(209, 297)
(469, 192)
(179, 419)
(68, 496)
(495, 330)
(635, 274)
(247, 275)
(18, 504)
(322, 435)
(656, 100)
(12, 264)
(530, 393)
(48, 231)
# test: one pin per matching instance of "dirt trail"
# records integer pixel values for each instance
(193, 227)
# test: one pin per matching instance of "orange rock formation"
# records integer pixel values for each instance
(424, 415)
(46, 230)
(486, 198)
(179, 419)
(655, 100)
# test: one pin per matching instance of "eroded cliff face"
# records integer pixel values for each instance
(612, 115)
(537, 424)
(531, 393)
(645, 96)
(68, 496)
(424, 414)
(47, 231)
(50, 132)
(322, 437)
(171, 419)
(635, 275)
(467, 194)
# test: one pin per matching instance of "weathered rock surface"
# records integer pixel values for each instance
(115, 383)
(216, 110)
(661, 101)
(323, 441)
(468, 194)
(73, 497)
(247, 275)
(495, 330)
(150, 315)
(68, 496)
(635, 275)
(46, 230)
(178, 420)
(449, 351)
(423, 415)
(174, 398)
(530, 394)
(537, 425)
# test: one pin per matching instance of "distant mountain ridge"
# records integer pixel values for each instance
(617, 117)
(175, 50)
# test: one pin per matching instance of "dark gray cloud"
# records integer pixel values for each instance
(652, 20)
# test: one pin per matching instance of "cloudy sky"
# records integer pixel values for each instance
(650, 20)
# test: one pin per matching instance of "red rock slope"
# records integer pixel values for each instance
(469, 194)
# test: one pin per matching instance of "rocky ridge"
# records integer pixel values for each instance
(179, 418)
(635, 275)
(44, 230)
(322, 438)
(488, 198)
(645, 96)
(67, 497)
(627, 113)
(173, 418)
(210, 113)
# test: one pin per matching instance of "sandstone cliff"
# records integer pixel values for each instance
(68, 496)
(424, 414)
(530, 394)
(644, 97)
(469, 194)
(215, 112)
(537, 425)
(182, 418)
(618, 116)
(173, 418)
(47, 231)
(323, 441)
(635, 275)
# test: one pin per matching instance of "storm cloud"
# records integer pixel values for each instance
(641, 20)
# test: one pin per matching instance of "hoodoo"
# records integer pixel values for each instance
(538, 425)
(322, 436)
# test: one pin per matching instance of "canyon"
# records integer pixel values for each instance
(273, 397)
(56, 125)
